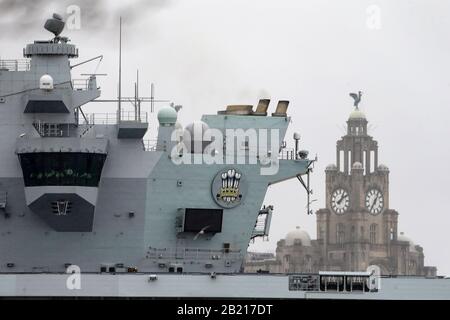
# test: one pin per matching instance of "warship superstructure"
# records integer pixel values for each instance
(91, 208)
(88, 190)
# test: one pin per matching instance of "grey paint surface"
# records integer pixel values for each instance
(224, 286)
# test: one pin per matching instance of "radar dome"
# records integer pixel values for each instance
(46, 82)
(167, 116)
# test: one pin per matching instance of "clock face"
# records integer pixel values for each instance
(374, 201)
(340, 201)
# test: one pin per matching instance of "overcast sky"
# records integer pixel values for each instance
(206, 54)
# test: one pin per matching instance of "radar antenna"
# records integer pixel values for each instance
(55, 25)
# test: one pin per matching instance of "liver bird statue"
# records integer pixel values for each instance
(356, 98)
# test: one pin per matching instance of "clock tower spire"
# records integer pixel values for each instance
(357, 217)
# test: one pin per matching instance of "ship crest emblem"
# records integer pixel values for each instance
(227, 188)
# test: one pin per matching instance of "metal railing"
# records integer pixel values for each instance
(15, 65)
(193, 254)
(112, 118)
(150, 145)
(80, 84)
(101, 118)
(287, 154)
(52, 129)
(141, 117)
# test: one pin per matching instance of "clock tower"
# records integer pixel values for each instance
(356, 227)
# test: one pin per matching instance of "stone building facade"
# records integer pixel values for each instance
(356, 228)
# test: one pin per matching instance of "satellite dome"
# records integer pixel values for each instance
(357, 114)
(402, 237)
(331, 167)
(383, 167)
(167, 116)
(298, 236)
(46, 82)
(357, 166)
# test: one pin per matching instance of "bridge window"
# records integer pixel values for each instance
(61, 168)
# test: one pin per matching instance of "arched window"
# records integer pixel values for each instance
(353, 233)
(373, 233)
(340, 233)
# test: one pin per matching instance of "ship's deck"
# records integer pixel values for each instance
(254, 286)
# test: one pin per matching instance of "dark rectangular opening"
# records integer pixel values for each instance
(206, 220)
(61, 168)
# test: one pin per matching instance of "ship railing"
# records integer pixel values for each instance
(46, 129)
(193, 254)
(133, 116)
(287, 154)
(15, 65)
(150, 145)
(80, 84)
(112, 118)
(100, 118)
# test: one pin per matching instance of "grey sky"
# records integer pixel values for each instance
(206, 54)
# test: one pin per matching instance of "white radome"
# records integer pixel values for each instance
(46, 82)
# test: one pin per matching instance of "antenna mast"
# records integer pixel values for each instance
(120, 69)
(152, 96)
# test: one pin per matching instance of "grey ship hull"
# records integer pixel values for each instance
(203, 286)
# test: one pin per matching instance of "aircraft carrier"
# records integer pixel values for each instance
(92, 208)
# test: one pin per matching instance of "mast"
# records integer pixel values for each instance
(120, 70)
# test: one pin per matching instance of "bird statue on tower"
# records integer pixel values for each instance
(356, 98)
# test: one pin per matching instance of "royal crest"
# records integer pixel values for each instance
(227, 188)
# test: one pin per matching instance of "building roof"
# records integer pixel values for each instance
(402, 237)
(298, 235)
(357, 114)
